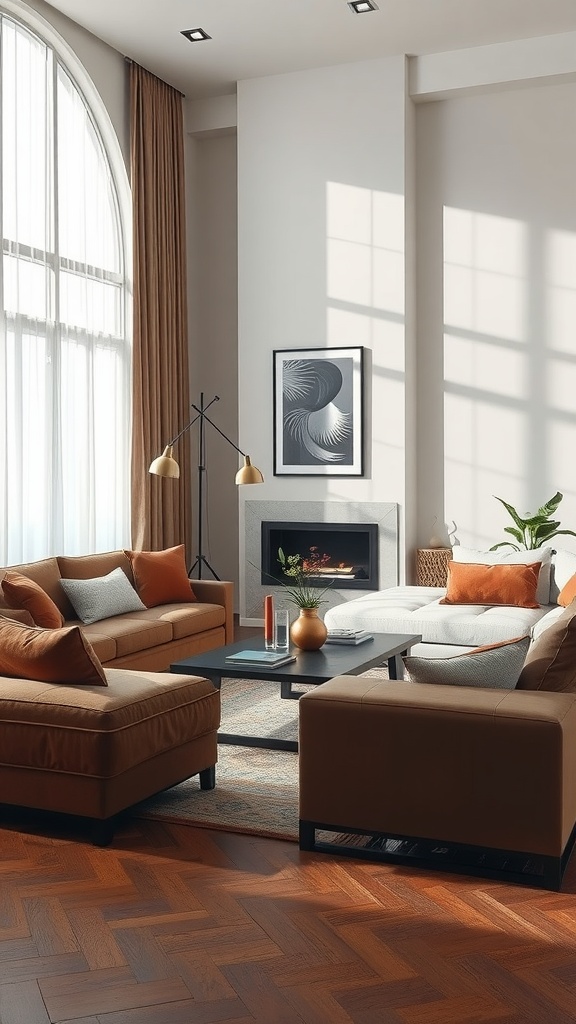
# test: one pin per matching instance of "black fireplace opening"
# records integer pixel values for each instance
(343, 555)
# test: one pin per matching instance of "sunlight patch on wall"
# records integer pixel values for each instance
(485, 367)
(561, 440)
(344, 324)
(560, 269)
(365, 247)
(486, 417)
(484, 274)
(561, 290)
(366, 300)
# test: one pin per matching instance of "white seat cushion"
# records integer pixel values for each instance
(417, 610)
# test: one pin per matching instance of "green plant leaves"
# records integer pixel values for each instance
(535, 529)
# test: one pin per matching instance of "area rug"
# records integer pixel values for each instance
(256, 790)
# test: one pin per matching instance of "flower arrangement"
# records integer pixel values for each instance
(298, 570)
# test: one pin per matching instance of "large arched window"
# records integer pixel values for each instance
(64, 337)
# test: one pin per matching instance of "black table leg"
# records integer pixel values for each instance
(286, 691)
(264, 742)
(396, 666)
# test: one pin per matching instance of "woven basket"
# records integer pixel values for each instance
(432, 566)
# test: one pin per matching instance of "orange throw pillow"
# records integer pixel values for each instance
(568, 592)
(48, 655)
(21, 592)
(161, 577)
(474, 583)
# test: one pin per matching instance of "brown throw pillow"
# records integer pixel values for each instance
(474, 583)
(551, 661)
(161, 577)
(17, 615)
(568, 592)
(48, 655)
(21, 592)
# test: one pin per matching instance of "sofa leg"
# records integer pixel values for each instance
(102, 832)
(208, 777)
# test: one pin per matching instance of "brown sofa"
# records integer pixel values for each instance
(481, 781)
(94, 751)
(150, 639)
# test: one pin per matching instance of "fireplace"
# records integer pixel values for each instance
(344, 555)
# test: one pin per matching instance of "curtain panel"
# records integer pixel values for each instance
(161, 508)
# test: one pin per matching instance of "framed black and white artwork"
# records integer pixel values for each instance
(318, 411)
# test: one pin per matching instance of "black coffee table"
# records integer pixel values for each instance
(310, 667)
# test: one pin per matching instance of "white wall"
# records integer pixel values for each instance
(497, 305)
(321, 240)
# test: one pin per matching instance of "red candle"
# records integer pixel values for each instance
(269, 618)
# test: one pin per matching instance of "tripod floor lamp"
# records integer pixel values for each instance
(166, 465)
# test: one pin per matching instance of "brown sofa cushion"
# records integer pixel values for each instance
(17, 615)
(188, 620)
(470, 583)
(551, 661)
(104, 732)
(48, 655)
(131, 633)
(21, 592)
(161, 577)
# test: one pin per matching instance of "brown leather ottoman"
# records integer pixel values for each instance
(96, 750)
(475, 780)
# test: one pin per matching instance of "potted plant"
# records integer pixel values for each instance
(535, 529)
(308, 632)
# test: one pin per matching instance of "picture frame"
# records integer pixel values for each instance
(319, 411)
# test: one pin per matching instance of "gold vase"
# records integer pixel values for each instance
(308, 632)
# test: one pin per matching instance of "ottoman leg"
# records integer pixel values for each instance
(307, 835)
(208, 777)
(102, 831)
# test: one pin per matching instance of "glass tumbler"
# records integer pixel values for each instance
(281, 625)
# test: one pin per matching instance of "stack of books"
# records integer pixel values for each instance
(272, 659)
(348, 636)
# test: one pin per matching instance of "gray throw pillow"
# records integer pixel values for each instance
(496, 667)
(102, 597)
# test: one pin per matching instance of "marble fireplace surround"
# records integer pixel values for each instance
(384, 513)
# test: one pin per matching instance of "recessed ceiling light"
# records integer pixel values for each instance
(195, 35)
(362, 6)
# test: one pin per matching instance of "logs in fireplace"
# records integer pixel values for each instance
(344, 555)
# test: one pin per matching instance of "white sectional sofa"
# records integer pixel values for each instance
(448, 629)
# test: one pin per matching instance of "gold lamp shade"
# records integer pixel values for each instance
(249, 474)
(165, 464)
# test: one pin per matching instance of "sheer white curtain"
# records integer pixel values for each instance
(64, 351)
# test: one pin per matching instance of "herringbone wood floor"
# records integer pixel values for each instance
(176, 925)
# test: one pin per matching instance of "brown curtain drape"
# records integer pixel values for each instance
(161, 508)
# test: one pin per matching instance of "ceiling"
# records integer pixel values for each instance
(255, 38)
